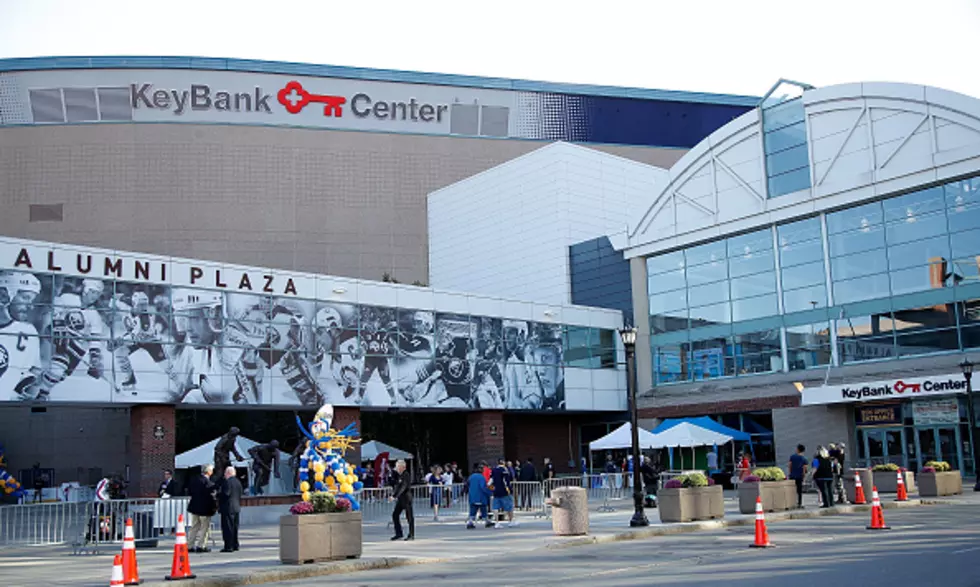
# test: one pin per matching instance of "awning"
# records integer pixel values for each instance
(706, 423)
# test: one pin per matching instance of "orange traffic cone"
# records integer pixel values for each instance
(181, 568)
(761, 533)
(858, 490)
(117, 572)
(902, 494)
(131, 570)
(877, 516)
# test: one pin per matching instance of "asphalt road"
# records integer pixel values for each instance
(936, 545)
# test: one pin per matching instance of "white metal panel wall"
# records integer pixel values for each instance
(505, 232)
(865, 140)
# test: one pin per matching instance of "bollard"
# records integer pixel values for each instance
(570, 511)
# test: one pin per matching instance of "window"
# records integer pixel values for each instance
(785, 143)
(808, 345)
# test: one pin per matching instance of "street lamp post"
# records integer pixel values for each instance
(967, 367)
(628, 335)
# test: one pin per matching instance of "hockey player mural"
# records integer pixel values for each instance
(67, 338)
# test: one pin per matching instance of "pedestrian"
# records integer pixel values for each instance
(841, 458)
(402, 496)
(527, 477)
(230, 506)
(712, 459)
(435, 481)
(824, 476)
(503, 498)
(797, 471)
(649, 477)
(168, 487)
(479, 497)
(549, 469)
(201, 507)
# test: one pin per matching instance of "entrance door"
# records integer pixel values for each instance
(885, 445)
(939, 443)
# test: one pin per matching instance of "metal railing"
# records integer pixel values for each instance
(91, 525)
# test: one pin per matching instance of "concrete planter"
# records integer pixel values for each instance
(867, 483)
(887, 481)
(936, 484)
(777, 496)
(688, 504)
(313, 538)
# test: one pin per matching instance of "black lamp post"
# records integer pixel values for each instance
(967, 367)
(628, 335)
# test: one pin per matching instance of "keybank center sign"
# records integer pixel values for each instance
(904, 388)
(226, 97)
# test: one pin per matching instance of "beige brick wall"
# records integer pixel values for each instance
(336, 202)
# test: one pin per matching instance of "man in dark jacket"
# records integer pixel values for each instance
(403, 502)
(230, 506)
(527, 476)
(201, 508)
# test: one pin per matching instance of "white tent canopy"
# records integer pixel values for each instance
(204, 454)
(622, 437)
(686, 434)
(370, 451)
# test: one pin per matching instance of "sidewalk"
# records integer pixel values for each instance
(445, 541)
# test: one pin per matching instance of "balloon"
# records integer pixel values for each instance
(318, 486)
(306, 496)
(353, 478)
(304, 476)
(358, 486)
(304, 487)
(346, 488)
(336, 466)
(330, 481)
(318, 476)
(319, 467)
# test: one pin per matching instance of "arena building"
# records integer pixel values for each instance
(810, 272)
(184, 233)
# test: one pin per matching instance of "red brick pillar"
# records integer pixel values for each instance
(342, 416)
(152, 449)
(484, 437)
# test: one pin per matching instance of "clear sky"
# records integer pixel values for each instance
(725, 46)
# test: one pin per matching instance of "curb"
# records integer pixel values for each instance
(292, 573)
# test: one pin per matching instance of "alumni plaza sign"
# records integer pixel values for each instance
(891, 389)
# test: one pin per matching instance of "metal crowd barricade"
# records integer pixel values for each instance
(529, 497)
(105, 521)
(376, 503)
(40, 524)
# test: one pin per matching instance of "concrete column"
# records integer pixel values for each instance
(152, 449)
(342, 416)
(641, 318)
(484, 437)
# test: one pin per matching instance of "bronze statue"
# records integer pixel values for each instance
(265, 460)
(223, 450)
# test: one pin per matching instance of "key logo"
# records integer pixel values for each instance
(902, 387)
(295, 98)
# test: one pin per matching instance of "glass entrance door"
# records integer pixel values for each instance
(885, 445)
(939, 443)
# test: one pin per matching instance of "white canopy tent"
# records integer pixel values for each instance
(688, 435)
(370, 451)
(204, 454)
(622, 437)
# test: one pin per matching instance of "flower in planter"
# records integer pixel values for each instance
(673, 484)
(928, 469)
(769, 474)
(711, 482)
(939, 466)
(886, 468)
(301, 508)
(343, 504)
(694, 480)
(751, 479)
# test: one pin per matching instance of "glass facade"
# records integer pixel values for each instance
(600, 276)
(879, 281)
(784, 139)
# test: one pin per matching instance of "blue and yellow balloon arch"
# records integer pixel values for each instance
(322, 467)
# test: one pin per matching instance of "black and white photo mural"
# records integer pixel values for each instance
(65, 338)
